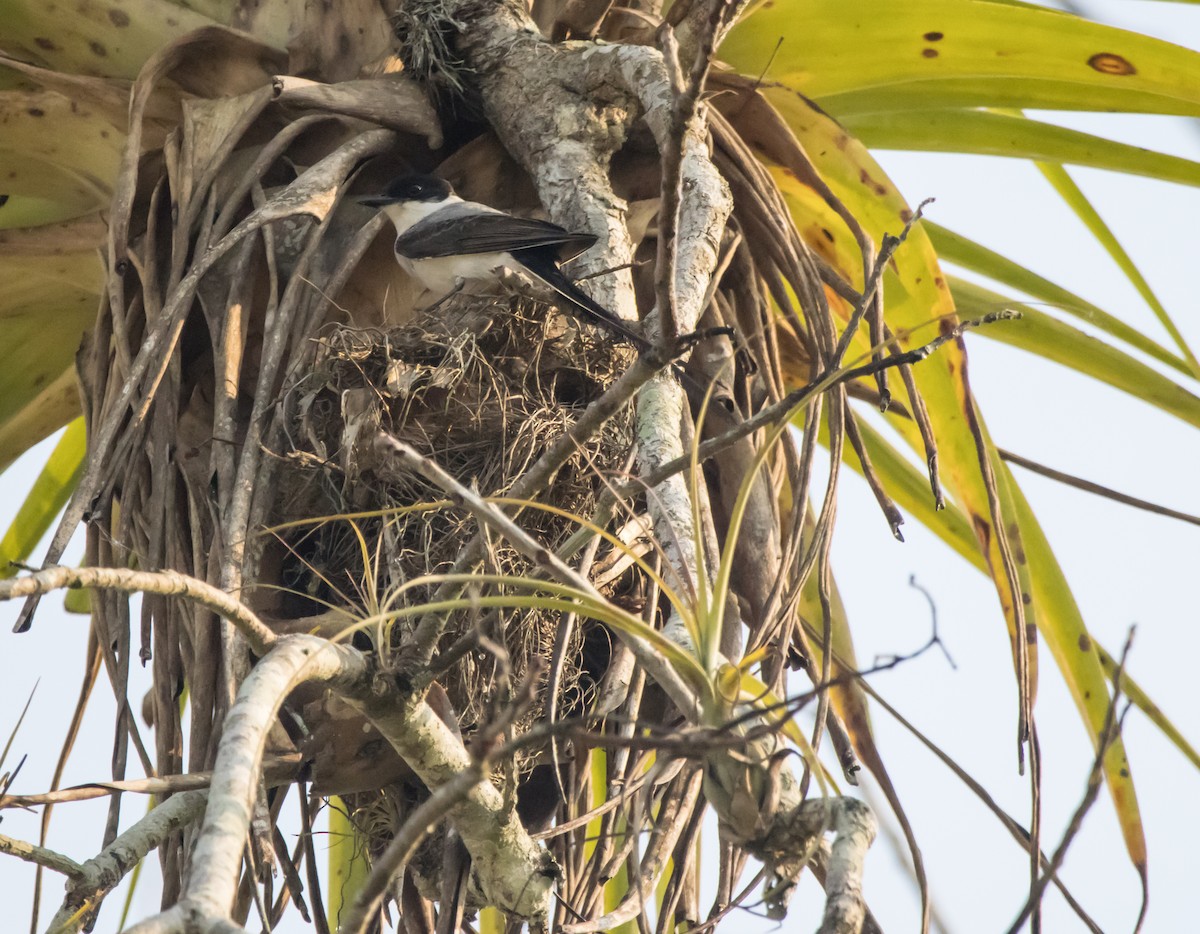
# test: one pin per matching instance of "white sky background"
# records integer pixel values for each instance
(1125, 567)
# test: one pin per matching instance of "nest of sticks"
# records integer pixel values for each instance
(481, 387)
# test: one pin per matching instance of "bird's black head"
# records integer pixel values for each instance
(411, 188)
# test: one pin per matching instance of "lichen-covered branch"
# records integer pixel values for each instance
(786, 834)
(514, 871)
(165, 583)
(102, 873)
(212, 885)
(39, 856)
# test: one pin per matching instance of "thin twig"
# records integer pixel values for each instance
(780, 411)
(277, 770)
(934, 638)
(786, 407)
(320, 921)
(1087, 485)
(887, 249)
(1109, 734)
(890, 511)
(1010, 823)
(920, 415)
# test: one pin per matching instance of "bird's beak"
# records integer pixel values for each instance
(376, 201)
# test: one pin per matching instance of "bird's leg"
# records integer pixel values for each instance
(458, 287)
(514, 283)
(687, 341)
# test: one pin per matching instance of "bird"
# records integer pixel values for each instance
(444, 242)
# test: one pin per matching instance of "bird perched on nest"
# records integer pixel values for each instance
(443, 242)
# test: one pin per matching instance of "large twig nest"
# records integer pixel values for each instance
(480, 385)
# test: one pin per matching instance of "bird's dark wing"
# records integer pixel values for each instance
(457, 230)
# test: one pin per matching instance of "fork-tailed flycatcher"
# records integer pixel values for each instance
(443, 241)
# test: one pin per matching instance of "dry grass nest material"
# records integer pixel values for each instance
(481, 387)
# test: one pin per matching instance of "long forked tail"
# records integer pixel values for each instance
(546, 269)
(580, 304)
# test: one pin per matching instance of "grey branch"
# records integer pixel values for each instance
(167, 583)
(101, 874)
(39, 856)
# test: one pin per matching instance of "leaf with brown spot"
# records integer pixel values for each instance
(991, 55)
(917, 298)
(332, 39)
(87, 40)
(54, 150)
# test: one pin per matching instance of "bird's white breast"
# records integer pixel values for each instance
(442, 274)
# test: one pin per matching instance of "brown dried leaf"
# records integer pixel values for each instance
(347, 753)
(79, 237)
(392, 101)
(335, 38)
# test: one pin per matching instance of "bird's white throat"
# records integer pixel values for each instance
(407, 213)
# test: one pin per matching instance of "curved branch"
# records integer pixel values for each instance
(514, 871)
(216, 862)
(166, 583)
(101, 874)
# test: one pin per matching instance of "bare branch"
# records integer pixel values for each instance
(293, 660)
(166, 583)
(101, 874)
(277, 770)
(776, 413)
(39, 856)
(1088, 486)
